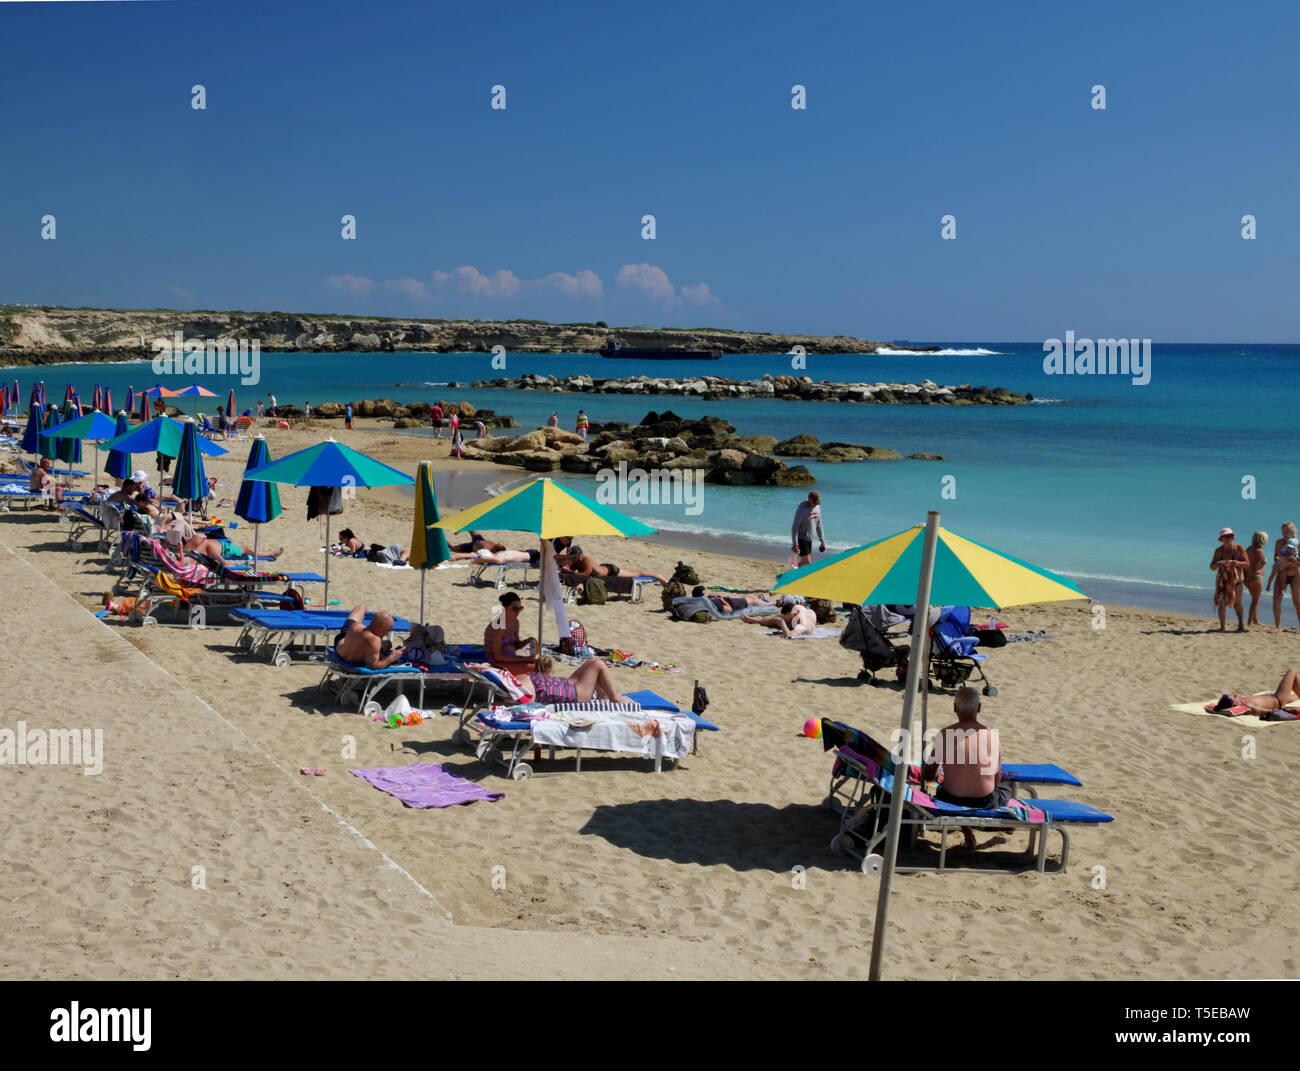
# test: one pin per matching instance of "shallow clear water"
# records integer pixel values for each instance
(1121, 486)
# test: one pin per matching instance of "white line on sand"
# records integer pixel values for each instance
(298, 783)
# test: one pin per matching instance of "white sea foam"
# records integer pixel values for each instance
(978, 351)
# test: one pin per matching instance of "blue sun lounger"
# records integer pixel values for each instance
(283, 637)
(371, 682)
(863, 780)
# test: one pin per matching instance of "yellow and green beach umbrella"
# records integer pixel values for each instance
(428, 544)
(966, 573)
(548, 510)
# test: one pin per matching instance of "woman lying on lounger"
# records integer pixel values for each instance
(1263, 702)
(591, 680)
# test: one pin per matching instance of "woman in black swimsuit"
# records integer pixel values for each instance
(1264, 702)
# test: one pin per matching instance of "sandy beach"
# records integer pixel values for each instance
(613, 872)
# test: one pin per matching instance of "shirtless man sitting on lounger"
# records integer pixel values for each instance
(43, 481)
(365, 645)
(585, 565)
(795, 620)
(1263, 702)
(971, 757)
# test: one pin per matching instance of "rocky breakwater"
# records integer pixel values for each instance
(666, 441)
(413, 415)
(790, 388)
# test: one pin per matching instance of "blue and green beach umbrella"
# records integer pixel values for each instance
(329, 464)
(118, 463)
(32, 433)
(258, 501)
(189, 481)
(93, 426)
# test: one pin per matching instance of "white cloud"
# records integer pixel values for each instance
(651, 281)
(654, 283)
(699, 294)
(356, 285)
(585, 284)
(472, 282)
(181, 292)
(411, 288)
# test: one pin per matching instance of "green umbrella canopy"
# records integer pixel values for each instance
(93, 425)
(329, 464)
(162, 435)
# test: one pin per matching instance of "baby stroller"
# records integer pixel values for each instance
(866, 634)
(952, 650)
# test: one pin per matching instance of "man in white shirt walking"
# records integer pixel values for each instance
(807, 523)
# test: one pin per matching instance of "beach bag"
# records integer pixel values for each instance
(292, 600)
(686, 575)
(576, 642)
(674, 589)
(594, 592)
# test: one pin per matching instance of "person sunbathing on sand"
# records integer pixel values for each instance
(1263, 702)
(794, 620)
(365, 645)
(585, 565)
(726, 604)
(590, 680)
(971, 758)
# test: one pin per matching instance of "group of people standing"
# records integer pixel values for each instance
(582, 425)
(1237, 567)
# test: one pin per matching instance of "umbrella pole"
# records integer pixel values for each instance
(422, 572)
(920, 626)
(541, 594)
(257, 529)
(328, 556)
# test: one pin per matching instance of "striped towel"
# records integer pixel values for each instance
(595, 706)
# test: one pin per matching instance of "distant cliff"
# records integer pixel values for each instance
(46, 335)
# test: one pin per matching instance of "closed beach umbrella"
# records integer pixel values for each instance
(428, 545)
(189, 481)
(67, 449)
(130, 400)
(98, 397)
(230, 406)
(926, 566)
(258, 501)
(329, 464)
(32, 433)
(106, 402)
(547, 509)
(118, 463)
(48, 420)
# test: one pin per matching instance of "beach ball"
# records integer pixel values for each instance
(812, 728)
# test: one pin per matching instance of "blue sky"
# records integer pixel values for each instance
(1118, 222)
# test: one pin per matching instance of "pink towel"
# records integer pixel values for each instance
(426, 784)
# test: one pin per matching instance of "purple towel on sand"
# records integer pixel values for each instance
(426, 784)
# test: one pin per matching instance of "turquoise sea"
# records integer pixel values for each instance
(1123, 487)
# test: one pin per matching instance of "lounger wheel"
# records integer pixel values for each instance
(990, 690)
(837, 844)
(872, 865)
(827, 803)
(481, 752)
(245, 643)
(371, 709)
(460, 738)
(281, 660)
(522, 772)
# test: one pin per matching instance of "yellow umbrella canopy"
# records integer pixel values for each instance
(966, 573)
(548, 510)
